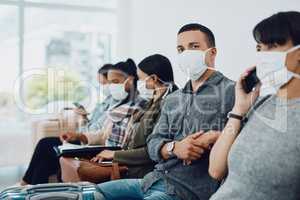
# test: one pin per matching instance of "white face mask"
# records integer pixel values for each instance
(144, 92)
(118, 91)
(272, 71)
(192, 63)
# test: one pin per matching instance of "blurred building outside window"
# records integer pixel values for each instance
(65, 39)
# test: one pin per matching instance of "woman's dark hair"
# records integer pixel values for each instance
(279, 29)
(104, 69)
(128, 67)
(159, 65)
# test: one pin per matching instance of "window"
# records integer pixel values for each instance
(102, 3)
(8, 46)
(72, 36)
(9, 66)
(73, 41)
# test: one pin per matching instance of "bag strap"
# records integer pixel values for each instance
(115, 174)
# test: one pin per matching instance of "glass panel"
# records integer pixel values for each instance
(102, 3)
(13, 128)
(8, 47)
(69, 42)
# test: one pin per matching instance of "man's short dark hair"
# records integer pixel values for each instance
(279, 29)
(198, 27)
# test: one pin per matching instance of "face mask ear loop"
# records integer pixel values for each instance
(204, 57)
(124, 85)
(296, 75)
(207, 50)
(293, 49)
(164, 83)
(145, 81)
(289, 51)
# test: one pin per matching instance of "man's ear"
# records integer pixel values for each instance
(298, 55)
(212, 57)
(214, 51)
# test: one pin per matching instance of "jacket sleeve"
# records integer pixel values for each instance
(160, 136)
(229, 101)
(95, 138)
(137, 156)
(99, 137)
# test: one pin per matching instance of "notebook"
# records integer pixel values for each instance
(74, 150)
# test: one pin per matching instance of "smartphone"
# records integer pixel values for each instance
(68, 108)
(250, 81)
(79, 106)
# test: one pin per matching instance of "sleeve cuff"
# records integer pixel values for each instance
(157, 152)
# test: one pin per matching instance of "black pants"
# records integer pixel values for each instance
(44, 162)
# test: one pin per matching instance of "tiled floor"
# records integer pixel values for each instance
(9, 176)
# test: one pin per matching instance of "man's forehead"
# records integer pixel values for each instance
(187, 37)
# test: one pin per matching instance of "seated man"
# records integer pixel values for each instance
(44, 161)
(181, 139)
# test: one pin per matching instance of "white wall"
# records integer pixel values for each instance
(150, 26)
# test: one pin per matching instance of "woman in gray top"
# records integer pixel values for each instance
(261, 159)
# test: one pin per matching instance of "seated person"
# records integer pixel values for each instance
(122, 78)
(101, 107)
(262, 159)
(181, 139)
(155, 83)
(44, 161)
(77, 118)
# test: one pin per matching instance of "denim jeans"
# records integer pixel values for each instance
(130, 189)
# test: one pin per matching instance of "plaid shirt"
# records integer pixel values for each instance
(118, 119)
(98, 115)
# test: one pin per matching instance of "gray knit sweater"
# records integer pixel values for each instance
(264, 161)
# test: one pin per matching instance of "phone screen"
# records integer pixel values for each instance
(250, 81)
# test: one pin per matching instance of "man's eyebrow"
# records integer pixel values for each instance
(191, 43)
(179, 46)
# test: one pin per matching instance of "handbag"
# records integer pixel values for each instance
(76, 170)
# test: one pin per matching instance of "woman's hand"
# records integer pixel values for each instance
(80, 111)
(244, 101)
(68, 137)
(104, 155)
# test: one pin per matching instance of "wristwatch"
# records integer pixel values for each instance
(170, 148)
(235, 116)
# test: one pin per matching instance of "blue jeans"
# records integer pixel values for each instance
(130, 189)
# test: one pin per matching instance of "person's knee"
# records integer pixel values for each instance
(125, 188)
(47, 143)
(159, 196)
